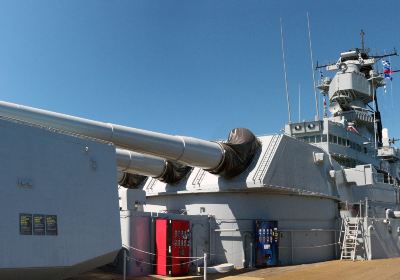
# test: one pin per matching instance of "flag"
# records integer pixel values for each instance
(325, 111)
(387, 70)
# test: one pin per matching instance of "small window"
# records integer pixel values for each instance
(335, 141)
(318, 138)
(324, 138)
(330, 138)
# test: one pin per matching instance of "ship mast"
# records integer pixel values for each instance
(362, 34)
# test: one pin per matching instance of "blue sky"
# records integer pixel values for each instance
(197, 68)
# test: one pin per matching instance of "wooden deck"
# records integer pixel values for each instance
(332, 270)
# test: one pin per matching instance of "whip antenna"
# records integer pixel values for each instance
(299, 102)
(284, 71)
(312, 68)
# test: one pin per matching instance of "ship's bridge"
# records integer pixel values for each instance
(347, 147)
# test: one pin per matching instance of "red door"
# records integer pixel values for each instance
(180, 247)
(172, 247)
(161, 246)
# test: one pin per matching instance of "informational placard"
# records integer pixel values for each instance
(51, 225)
(25, 224)
(39, 224)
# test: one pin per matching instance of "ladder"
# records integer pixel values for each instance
(350, 237)
(266, 159)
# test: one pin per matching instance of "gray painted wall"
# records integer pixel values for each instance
(45, 172)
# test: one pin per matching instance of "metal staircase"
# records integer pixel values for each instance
(350, 230)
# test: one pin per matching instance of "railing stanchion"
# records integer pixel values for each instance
(205, 266)
(124, 265)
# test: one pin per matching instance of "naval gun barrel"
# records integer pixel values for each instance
(187, 150)
(227, 159)
(140, 164)
(136, 166)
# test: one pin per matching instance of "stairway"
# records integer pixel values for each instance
(350, 238)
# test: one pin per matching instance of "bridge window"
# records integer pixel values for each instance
(344, 142)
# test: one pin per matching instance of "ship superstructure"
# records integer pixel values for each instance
(354, 138)
(353, 135)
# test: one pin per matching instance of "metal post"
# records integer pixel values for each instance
(209, 235)
(292, 246)
(124, 268)
(205, 266)
(335, 246)
(251, 255)
(366, 207)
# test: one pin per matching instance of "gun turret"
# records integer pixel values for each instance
(227, 159)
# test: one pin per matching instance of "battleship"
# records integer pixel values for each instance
(78, 194)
